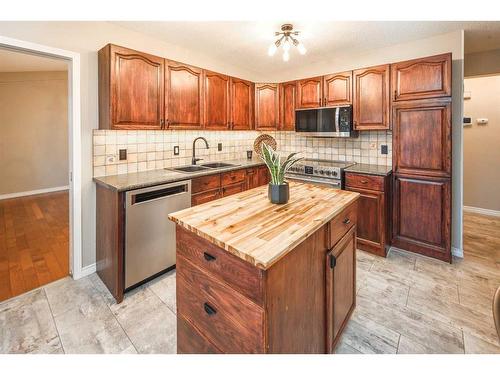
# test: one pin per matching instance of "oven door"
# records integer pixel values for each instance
(334, 184)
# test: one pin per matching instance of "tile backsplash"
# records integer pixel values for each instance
(148, 150)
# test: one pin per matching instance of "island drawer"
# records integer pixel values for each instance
(364, 181)
(233, 323)
(233, 177)
(205, 183)
(244, 277)
(191, 341)
(342, 223)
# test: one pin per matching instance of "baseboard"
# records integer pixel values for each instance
(87, 270)
(33, 192)
(482, 211)
(456, 252)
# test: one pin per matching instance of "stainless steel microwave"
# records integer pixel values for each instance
(325, 122)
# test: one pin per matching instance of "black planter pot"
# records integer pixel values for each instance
(278, 194)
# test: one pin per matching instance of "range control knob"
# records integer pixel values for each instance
(334, 173)
(321, 172)
(328, 173)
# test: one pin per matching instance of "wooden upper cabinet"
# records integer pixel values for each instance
(217, 97)
(428, 77)
(288, 98)
(131, 89)
(266, 106)
(422, 137)
(183, 96)
(337, 89)
(310, 92)
(242, 108)
(371, 99)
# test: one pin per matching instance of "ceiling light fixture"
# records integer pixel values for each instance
(286, 40)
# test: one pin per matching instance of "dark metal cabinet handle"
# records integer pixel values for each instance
(333, 261)
(209, 309)
(395, 94)
(347, 220)
(364, 181)
(208, 257)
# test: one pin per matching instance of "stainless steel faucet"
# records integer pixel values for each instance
(195, 159)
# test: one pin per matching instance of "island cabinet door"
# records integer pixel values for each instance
(340, 287)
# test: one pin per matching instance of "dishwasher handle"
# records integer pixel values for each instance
(159, 192)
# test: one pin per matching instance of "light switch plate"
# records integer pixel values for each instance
(176, 150)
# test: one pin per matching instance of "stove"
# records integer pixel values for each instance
(322, 172)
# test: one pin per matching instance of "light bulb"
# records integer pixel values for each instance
(301, 48)
(272, 49)
(286, 55)
(286, 45)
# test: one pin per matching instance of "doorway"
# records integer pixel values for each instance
(71, 193)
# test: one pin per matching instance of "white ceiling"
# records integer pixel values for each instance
(245, 44)
(11, 61)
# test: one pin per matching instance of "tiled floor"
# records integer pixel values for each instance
(405, 304)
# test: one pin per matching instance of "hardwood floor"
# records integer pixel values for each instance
(34, 242)
(405, 304)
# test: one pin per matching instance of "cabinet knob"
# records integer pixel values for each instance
(208, 257)
(347, 220)
(364, 181)
(209, 309)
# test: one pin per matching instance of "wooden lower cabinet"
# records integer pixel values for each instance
(205, 196)
(227, 305)
(340, 286)
(422, 215)
(373, 219)
(234, 189)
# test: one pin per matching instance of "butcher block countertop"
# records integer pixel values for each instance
(252, 228)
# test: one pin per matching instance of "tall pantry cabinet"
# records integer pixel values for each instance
(421, 120)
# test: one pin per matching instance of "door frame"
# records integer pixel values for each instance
(74, 141)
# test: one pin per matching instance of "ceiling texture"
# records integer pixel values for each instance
(11, 61)
(244, 44)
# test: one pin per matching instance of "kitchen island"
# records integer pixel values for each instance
(254, 277)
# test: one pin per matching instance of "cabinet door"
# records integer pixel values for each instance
(371, 219)
(340, 286)
(288, 99)
(422, 215)
(216, 106)
(310, 92)
(242, 95)
(183, 96)
(266, 106)
(233, 189)
(264, 175)
(428, 77)
(422, 137)
(252, 178)
(337, 89)
(137, 89)
(204, 197)
(371, 98)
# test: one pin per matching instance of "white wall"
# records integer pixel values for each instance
(88, 37)
(34, 128)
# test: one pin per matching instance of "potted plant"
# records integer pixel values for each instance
(278, 190)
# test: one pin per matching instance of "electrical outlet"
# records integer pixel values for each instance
(384, 150)
(123, 154)
(219, 146)
(176, 150)
(110, 159)
(373, 145)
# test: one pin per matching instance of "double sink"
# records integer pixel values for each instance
(202, 167)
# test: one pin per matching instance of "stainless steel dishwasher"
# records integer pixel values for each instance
(149, 234)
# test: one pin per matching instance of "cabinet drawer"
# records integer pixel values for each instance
(233, 177)
(364, 181)
(205, 183)
(342, 223)
(226, 318)
(204, 197)
(234, 189)
(191, 341)
(245, 278)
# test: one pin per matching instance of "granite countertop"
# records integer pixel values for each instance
(138, 180)
(249, 226)
(379, 170)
